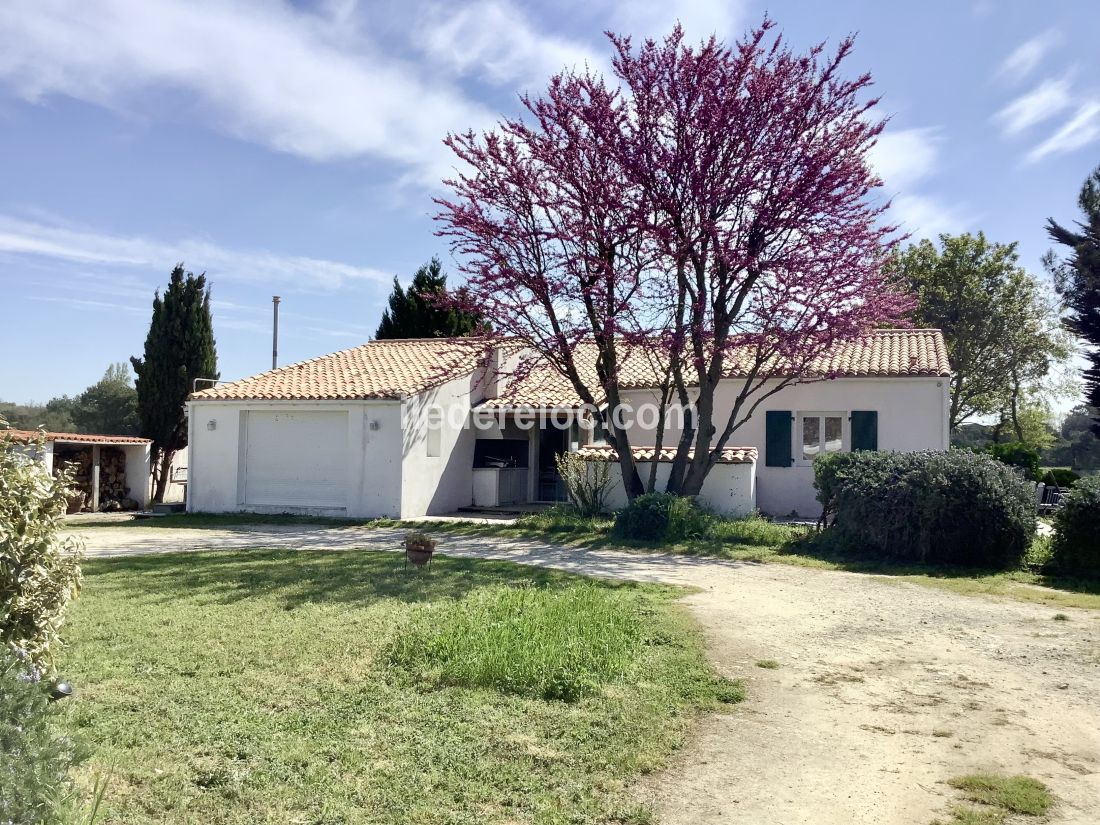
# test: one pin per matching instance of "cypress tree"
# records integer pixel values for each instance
(1078, 282)
(412, 313)
(178, 349)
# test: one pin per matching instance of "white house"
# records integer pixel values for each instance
(413, 427)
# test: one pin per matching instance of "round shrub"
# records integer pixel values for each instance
(661, 517)
(1076, 546)
(957, 508)
(1059, 476)
(1017, 454)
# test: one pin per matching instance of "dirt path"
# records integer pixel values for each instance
(884, 689)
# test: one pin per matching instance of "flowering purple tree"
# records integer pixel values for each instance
(712, 213)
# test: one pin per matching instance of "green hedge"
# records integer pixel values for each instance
(1017, 454)
(1076, 546)
(662, 517)
(957, 507)
(1059, 476)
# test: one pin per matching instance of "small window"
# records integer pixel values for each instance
(820, 433)
(599, 435)
(434, 437)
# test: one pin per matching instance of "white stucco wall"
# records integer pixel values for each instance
(137, 472)
(729, 489)
(433, 484)
(374, 444)
(912, 415)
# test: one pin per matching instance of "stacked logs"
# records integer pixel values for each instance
(112, 478)
(114, 494)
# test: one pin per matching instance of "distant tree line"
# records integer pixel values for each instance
(109, 406)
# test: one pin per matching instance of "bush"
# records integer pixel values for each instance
(1059, 476)
(34, 761)
(662, 517)
(587, 482)
(1017, 454)
(929, 507)
(39, 572)
(563, 518)
(1076, 545)
(552, 644)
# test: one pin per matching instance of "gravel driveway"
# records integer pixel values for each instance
(884, 689)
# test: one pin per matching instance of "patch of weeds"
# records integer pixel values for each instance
(1061, 617)
(768, 664)
(1017, 794)
(942, 734)
(552, 644)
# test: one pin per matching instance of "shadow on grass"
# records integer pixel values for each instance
(813, 547)
(299, 577)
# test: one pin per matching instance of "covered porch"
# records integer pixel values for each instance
(515, 452)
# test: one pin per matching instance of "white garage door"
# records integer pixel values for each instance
(296, 459)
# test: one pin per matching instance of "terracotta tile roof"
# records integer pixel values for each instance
(730, 455)
(376, 370)
(402, 368)
(25, 436)
(886, 353)
(889, 353)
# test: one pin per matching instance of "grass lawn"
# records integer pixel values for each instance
(275, 686)
(759, 540)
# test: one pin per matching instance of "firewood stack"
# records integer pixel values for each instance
(112, 478)
(114, 493)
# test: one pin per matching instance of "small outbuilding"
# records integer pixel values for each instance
(111, 471)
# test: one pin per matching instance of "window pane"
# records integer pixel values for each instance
(834, 434)
(811, 437)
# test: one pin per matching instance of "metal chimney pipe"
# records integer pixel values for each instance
(275, 332)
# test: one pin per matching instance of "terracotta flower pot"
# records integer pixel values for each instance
(419, 550)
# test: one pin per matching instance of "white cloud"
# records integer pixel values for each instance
(905, 156)
(1041, 103)
(81, 246)
(495, 41)
(925, 217)
(297, 82)
(699, 18)
(1080, 130)
(1028, 55)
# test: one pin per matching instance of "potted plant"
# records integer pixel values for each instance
(418, 549)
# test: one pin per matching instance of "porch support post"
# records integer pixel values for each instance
(95, 478)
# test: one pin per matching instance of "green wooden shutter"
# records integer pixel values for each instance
(777, 439)
(864, 430)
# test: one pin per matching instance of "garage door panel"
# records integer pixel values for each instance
(296, 459)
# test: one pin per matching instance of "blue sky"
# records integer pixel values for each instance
(294, 148)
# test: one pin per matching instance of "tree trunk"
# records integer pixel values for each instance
(163, 473)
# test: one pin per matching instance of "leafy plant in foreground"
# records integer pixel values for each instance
(39, 570)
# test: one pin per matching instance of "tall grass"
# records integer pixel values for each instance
(554, 644)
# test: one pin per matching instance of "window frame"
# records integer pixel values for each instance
(821, 415)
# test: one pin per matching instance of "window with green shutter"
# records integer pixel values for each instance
(864, 430)
(777, 438)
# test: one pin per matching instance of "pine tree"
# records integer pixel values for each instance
(412, 314)
(179, 348)
(1078, 281)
